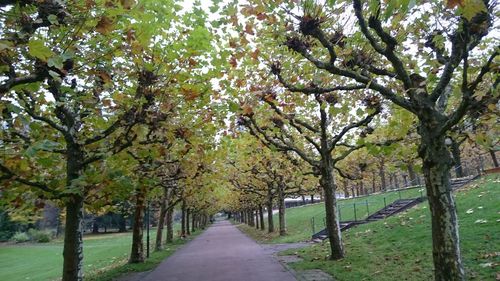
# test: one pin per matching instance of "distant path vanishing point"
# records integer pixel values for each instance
(221, 253)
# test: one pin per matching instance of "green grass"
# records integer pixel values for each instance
(399, 248)
(299, 219)
(104, 254)
(153, 261)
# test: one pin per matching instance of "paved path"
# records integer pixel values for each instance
(221, 253)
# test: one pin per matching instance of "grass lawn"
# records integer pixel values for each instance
(104, 255)
(299, 219)
(399, 248)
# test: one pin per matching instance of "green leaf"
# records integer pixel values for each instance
(233, 107)
(472, 7)
(4, 44)
(56, 61)
(53, 19)
(38, 49)
(46, 145)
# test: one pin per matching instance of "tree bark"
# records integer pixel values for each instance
(457, 159)
(251, 218)
(374, 182)
(327, 182)
(73, 234)
(261, 214)
(412, 174)
(257, 221)
(193, 221)
(183, 219)
(73, 242)
(281, 208)
(122, 224)
(137, 253)
(383, 183)
(170, 225)
(312, 198)
(95, 227)
(188, 215)
(436, 165)
(161, 220)
(494, 158)
(270, 222)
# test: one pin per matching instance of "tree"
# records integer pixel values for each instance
(76, 80)
(316, 141)
(446, 79)
(59, 113)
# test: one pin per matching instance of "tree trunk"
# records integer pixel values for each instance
(188, 215)
(73, 234)
(270, 222)
(327, 181)
(345, 186)
(122, 224)
(170, 225)
(457, 159)
(281, 208)
(374, 182)
(445, 240)
(161, 220)
(251, 218)
(257, 224)
(183, 219)
(494, 158)
(137, 253)
(412, 174)
(95, 227)
(383, 183)
(312, 198)
(261, 214)
(396, 181)
(193, 221)
(73, 242)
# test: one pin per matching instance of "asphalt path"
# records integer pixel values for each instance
(221, 253)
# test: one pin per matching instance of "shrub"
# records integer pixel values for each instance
(5, 235)
(39, 235)
(20, 237)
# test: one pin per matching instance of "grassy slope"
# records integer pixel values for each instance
(299, 223)
(102, 253)
(399, 248)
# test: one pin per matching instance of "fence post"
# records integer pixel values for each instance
(385, 204)
(355, 217)
(312, 224)
(367, 209)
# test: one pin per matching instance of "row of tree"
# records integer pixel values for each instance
(351, 75)
(105, 104)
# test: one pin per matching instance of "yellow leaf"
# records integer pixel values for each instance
(471, 8)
